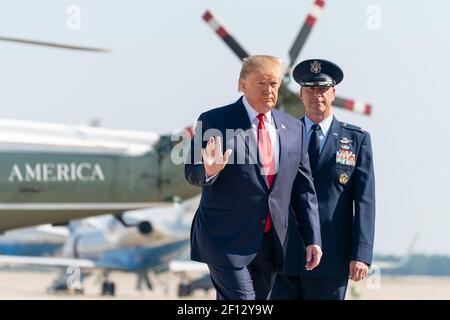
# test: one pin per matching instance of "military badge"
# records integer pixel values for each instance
(343, 179)
(316, 67)
(346, 147)
(345, 140)
(346, 157)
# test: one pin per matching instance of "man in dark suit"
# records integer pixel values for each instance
(341, 162)
(240, 227)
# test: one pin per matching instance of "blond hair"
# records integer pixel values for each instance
(263, 63)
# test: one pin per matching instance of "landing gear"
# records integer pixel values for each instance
(142, 278)
(184, 289)
(66, 283)
(108, 288)
(188, 286)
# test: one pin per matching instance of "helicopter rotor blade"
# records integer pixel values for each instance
(315, 12)
(353, 105)
(53, 44)
(302, 36)
(218, 28)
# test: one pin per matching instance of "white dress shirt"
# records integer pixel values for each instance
(270, 127)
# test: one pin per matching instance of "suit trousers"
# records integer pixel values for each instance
(252, 282)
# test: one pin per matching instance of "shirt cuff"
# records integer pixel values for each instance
(208, 179)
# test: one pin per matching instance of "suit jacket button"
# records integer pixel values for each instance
(264, 221)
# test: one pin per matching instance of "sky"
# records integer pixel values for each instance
(167, 66)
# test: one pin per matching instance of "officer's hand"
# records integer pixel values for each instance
(358, 270)
(313, 256)
(213, 159)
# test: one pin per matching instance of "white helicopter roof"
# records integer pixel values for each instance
(18, 135)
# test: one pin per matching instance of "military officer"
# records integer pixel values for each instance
(342, 166)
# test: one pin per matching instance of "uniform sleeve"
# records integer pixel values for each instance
(304, 200)
(364, 189)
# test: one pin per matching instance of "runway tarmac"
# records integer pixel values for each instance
(33, 285)
(401, 288)
(19, 284)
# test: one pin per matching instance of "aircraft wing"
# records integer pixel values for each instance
(386, 264)
(48, 262)
(182, 266)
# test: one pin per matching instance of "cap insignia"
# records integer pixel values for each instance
(316, 66)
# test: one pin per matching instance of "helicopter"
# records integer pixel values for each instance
(288, 101)
(54, 173)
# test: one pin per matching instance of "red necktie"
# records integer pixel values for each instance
(266, 157)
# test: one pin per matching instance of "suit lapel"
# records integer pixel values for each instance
(246, 137)
(331, 145)
(282, 143)
(240, 116)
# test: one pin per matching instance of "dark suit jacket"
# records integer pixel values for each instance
(347, 211)
(228, 226)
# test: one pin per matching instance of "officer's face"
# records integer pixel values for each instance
(261, 89)
(317, 101)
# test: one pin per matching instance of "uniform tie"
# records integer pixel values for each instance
(314, 146)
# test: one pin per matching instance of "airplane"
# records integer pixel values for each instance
(43, 240)
(287, 100)
(391, 264)
(104, 245)
(53, 173)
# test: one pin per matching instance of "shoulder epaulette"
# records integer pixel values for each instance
(346, 125)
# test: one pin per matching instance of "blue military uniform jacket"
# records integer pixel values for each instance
(345, 185)
(228, 226)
